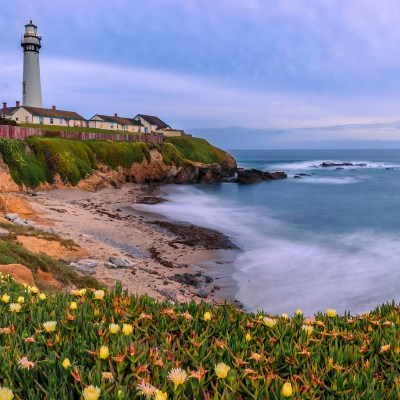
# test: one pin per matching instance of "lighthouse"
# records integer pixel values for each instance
(31, 87)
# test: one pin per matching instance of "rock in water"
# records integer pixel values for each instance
(256, 175)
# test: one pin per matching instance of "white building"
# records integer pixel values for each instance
(115, 123)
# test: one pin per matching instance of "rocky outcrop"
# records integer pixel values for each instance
(256, 175)
(6, 182)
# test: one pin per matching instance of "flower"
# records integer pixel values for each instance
(15, 307)
(285, 316)
(34, 290)
(50, 326)
(127, 329)
(207, 316)
(270, 322)
(6, 394)
(160, 395)
(308, 328)
(96, 312)
(66, 363)
(5, 298)
(104, 352)
(299, 313)
(248, 337)
(287, 390)
(21, 300)
(99, 294)
(42, 296)
(91, 393)
(177, 376)
(146, 389)
(255, 356)
(221, 369)
(73, 305)
(330, 312)
(25, 364)
(80, 292)
(384, 348)
(113, 328)
(108, 376)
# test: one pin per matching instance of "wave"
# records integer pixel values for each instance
(328, 181)
(282, 267)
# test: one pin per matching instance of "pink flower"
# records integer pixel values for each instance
(25, 363)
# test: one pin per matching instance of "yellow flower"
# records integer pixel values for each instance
(34, 290)
(5, 298)
(42, 296)
(248, 337)
(66, 363)
(80, 292)
(207, 316)
(127, 329)
(330, 312)
(91, 393)
(385, 347)
(160, 395)
(6, 394)
(99, 294)
(50, 326)
(270, 322)
(299, 313)
(285, 316)
(73, 305)
(15, 307)
(21, 300)
(308, 328)
(104, 352)
(287, 390)
(96, 312)
(221, 369)
(177, 376)
(113, 328)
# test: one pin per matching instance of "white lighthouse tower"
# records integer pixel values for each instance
(31, 87)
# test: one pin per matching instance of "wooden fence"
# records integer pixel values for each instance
(20, 133)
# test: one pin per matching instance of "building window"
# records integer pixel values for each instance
(81, 123)
(16, 119)
(146, 130)
(40, 120)
(140, 130)
(112, 126)
(51, 120)
(61, 120)
(26, 119)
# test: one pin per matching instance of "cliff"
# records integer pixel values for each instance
(39, 162)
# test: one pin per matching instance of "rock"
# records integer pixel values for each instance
(298, 177)
(20, 221)
(11, 217)
(83, 269)
(110, 265)
(202, 293)
(87, 263)
(120, 262)
(19, 272)
(255, 175)
(303, 174)
(169, 294)
(186, 279)
(208, 279)
(4, 232)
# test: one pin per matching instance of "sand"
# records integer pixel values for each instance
(172, 258)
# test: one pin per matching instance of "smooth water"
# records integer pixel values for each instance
(328, 240)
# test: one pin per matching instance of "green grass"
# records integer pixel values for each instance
(338, 357)
(198, 150)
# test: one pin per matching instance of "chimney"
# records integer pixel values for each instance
(4, 105)
(115, 115)
(54, 108)
(17, 104)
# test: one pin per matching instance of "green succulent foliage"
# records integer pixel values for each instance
(344, 357)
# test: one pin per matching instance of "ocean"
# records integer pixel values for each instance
(329, 239)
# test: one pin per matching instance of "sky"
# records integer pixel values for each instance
(266, 72)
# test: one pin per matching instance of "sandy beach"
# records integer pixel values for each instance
(172, 259)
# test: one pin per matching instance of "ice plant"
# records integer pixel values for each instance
(177, 376)
(159, 395)
(91, 393)
(5, 298)
(34, 290)
(270, 322)
(50, 326)
(330, 312)
(21, 300)
(127, 329)
(6, 394)
(107, 376)
(207, 316)
(99, 294)
(104, 352)
(42, 296)
(248, 337)
(15, 307)
(307, 328)
(24, 363)
(299, 312)
(285, 316)
(73, 305)
(146, 389)
(287, 390)
(113, 328)
(221, 370)
(66, 363)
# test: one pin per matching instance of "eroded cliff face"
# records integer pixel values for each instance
(6, 182)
